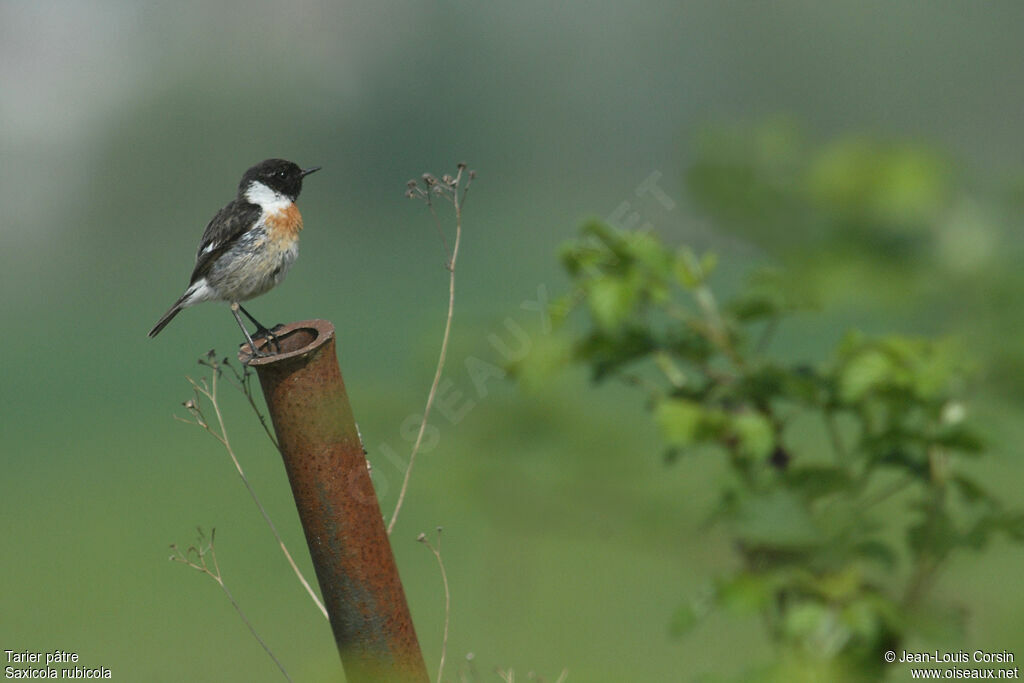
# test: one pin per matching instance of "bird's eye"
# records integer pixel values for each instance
(280, 174)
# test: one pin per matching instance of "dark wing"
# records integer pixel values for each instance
(224, 230)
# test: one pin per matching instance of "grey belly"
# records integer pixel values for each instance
(251, 267)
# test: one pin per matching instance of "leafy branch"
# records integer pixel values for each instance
(816, 545)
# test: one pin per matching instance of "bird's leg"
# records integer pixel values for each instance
(256, 353)
(261, 329)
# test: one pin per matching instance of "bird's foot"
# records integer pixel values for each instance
(252, 347)
(264, 333)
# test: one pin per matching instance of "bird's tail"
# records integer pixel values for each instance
(169, 315)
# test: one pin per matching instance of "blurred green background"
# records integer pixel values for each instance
(125, 125)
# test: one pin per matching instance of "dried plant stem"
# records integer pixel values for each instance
(457, 202)
(243, 383)
(199, 563)
(431, 396)
(210, 392)
(447, 597)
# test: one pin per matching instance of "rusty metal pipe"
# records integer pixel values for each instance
(326, 464)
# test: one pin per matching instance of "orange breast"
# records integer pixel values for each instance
(285, 224)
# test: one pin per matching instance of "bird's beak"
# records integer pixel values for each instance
(307, 171)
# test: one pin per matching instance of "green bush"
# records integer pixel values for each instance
(862, 218)
(836, 577)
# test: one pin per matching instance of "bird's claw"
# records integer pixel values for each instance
(262, 333)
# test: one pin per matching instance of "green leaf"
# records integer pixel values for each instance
(745, 592)
(872, 617)
(613, 240)
(606, 352)
(877, 552)
(905, 370)
(689, 344)
(752, 306)
(680, 420)
(840, 586)
(816, 626)
(610, 300)
(1009, 523)
(763, 383)
(815, 481)
(861, 618)
(755, 434)
(971, 491)
(647, 249)
(960, 437)
(777, 519)
(690, 271)
(1012, 524)
(864, 372)
(805, 385)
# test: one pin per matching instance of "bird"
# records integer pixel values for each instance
(248, 246)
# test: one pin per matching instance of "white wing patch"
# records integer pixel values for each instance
(199, 292)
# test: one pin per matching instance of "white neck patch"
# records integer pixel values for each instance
(266, 198)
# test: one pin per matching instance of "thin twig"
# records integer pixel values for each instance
(673, 373)
(202, 566)
(447, 597)
(244, 384)
(457, 202)
(716, 325)
(210, 392)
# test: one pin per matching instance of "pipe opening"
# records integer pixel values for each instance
(294, 339)
(290, 341)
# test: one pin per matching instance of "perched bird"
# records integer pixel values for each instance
(249, 245)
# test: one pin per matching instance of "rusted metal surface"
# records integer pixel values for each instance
(326, 465)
